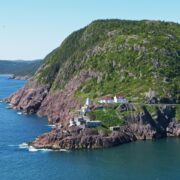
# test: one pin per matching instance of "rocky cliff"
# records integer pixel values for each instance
(139, 59)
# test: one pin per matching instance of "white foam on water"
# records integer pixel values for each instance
(32, 149)
(63, 150)
(19, 113)
(23, 146)
(51, 125)
(45, 150)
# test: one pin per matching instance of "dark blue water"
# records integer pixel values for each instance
(140, 160)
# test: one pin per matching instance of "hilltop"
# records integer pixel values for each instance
(125, 57)
(19, 67)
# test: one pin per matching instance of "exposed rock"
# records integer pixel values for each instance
(141, 126)
(151, 97)
(145, 127)
(57, 106)
(28, 99)
(173, 129)
(126, 107)
(77, 138)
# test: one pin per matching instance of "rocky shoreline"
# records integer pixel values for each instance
(140, 126)
(19, 77)
(78, 138)
(137, 128)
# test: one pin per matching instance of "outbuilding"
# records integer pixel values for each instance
(114, 128)
(91, 124)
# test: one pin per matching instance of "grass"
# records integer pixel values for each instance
(109, 117)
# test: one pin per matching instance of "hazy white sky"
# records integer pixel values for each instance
(30, 29)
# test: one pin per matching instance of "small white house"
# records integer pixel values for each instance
(120, 99)
(116, 99)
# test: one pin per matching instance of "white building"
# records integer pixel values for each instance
(79, 121)
(116, 99)
(86, 107)
(106, 100)
(88, 102)
(120, 99)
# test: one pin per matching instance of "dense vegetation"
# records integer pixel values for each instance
(129, 58)
(19, 68)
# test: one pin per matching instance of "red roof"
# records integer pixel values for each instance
(107, 98)
(120, 97)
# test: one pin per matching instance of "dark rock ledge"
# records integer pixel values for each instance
(78, 138)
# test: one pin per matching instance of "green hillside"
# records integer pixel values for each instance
(19, 68)
(129, 58)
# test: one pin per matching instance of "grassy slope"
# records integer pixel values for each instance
(130, 57)
(108, 116)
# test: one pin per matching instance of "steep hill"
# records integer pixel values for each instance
(138, 59)
(126, 57)
(19, 67)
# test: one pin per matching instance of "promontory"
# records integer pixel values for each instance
(109, 83)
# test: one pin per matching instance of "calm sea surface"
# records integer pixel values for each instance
(140, 160)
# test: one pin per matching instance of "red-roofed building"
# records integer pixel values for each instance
(120, 99)
(106, 99)
(116, 99)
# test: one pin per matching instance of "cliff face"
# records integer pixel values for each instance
(148, 126)
(57, 106)
(139, 59)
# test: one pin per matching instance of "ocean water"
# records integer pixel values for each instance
(139, 160)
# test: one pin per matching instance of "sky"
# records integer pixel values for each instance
(30, 29)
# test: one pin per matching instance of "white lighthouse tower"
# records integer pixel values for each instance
(88, 102)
